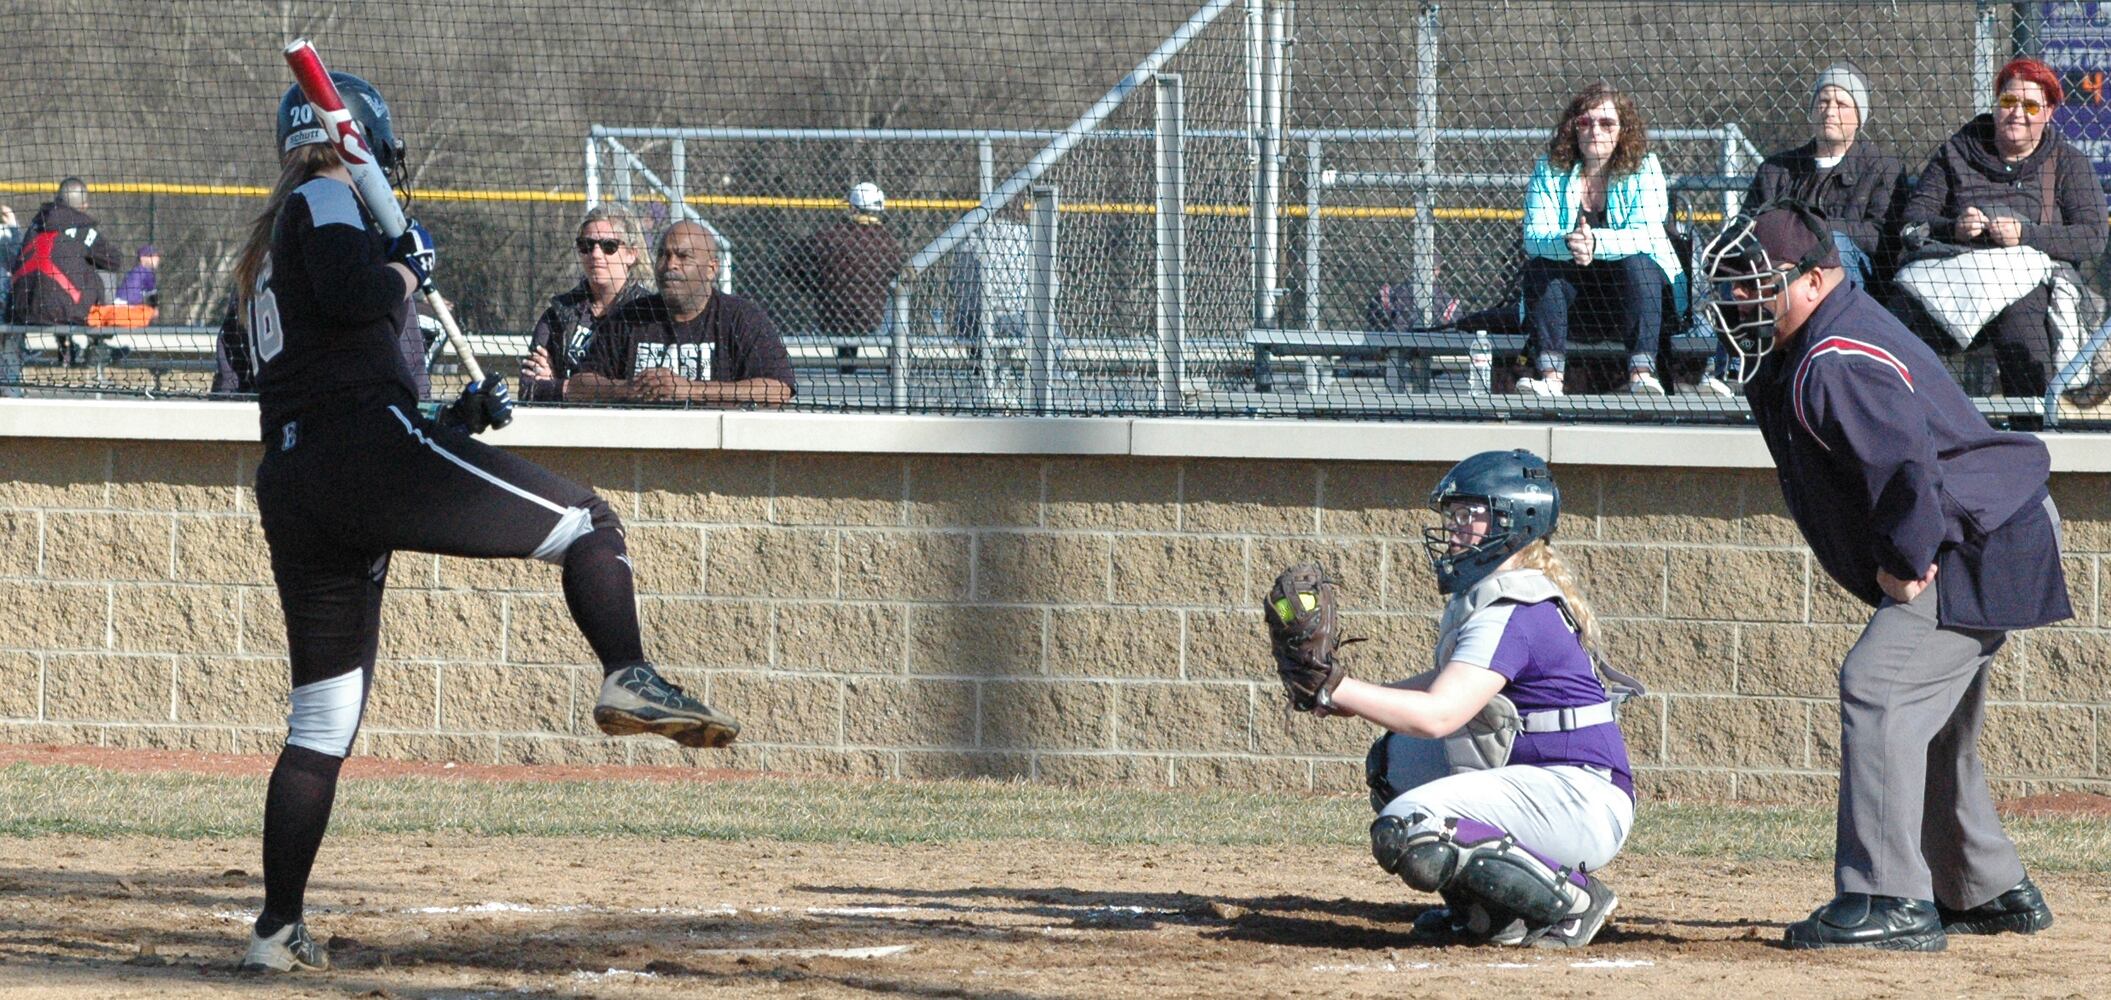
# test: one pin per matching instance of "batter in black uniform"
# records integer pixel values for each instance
(353, 471)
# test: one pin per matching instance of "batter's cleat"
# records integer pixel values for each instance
(1594, 904)
(636, 699)
(1862, 920)
(289, 949)
(2020, 910)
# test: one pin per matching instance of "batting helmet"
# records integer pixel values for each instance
(297, 125)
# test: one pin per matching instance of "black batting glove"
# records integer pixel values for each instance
(414, 249)
(482, 406)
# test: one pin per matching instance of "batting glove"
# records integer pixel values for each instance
(482, 406)
(414, 249)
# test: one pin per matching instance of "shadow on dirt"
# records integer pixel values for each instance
(86, 931)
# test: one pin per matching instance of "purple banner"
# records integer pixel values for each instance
(2075, 40)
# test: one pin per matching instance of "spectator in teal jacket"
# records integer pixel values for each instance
(1595, 239)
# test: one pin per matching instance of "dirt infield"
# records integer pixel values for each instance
(459, 916)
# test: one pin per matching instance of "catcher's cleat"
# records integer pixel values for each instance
(1593, 905)
(289, 949)
(1862, 920)
(1465, 921)
(636, 699)
(2020, 910)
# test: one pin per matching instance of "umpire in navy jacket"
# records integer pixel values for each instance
(1939, 522)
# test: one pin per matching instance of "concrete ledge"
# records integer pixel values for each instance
(688, 430)
(129, 420)
(1330, 440)
(887, 433)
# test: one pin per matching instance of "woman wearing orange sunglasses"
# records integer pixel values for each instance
(2004, 180)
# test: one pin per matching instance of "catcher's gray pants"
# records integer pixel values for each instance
(1571, 815)
(1916, 818)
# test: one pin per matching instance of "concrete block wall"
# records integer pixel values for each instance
(1062, 618)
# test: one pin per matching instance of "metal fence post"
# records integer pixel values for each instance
(898, 351)
(1314, 179)
(1171, 242)
(677, 177)
(1986, 49)
(1041, 316)
(1267, 208)
(1256, 46)
(593, 173)
(1424, 249)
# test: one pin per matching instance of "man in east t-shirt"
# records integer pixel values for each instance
(690, 343)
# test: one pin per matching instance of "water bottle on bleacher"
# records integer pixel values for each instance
(1480, 363)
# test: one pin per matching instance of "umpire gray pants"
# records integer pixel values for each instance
(1916, 818)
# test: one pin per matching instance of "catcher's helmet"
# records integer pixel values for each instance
(1523, 505)
(297, 125)
(1760, 252)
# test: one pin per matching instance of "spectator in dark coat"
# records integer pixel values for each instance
(611, 247)
(55, 279)
(1848, 179)
(2006, 180)
(849, 268)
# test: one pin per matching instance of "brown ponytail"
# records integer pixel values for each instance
(303, 163)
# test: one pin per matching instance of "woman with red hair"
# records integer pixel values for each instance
(2006, 180)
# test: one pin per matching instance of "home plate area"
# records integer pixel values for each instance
(457, 917)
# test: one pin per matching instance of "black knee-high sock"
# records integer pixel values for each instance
(296, 811)
(602, 598)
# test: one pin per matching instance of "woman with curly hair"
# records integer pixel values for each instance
(1595, 239)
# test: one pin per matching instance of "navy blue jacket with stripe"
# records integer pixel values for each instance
(1886, 464)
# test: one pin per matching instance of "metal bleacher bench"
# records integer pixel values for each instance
(158, 350)
(1408, 353)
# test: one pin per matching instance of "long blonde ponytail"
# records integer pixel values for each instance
(1541, 556)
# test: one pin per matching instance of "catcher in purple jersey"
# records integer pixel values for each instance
(1503, 782)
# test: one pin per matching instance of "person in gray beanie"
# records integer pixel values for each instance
(1852, 182)
(1847, 179)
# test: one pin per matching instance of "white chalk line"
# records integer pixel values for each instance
(1352, 968)
(876, 951)
(721, 910)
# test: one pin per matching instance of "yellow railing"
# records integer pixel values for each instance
(1368, 212)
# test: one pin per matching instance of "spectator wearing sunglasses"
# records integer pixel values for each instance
(691, 344)
(613, 271)
(1595, 244)
(2006, 180)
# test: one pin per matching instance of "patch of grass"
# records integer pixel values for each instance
(38, 800)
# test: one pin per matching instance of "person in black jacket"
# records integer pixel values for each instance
(55, 272)
(2005, 179)
(1849, 179)
(611, 248)
(1944, 526)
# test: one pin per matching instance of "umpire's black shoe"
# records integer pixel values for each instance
(1861, 920)
(2020, 910)
(636, 699)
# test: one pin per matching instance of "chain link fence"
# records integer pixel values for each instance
(1231, 207)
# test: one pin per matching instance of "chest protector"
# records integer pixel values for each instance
(1485, 741)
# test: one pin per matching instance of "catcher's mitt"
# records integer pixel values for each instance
(1304, 635)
